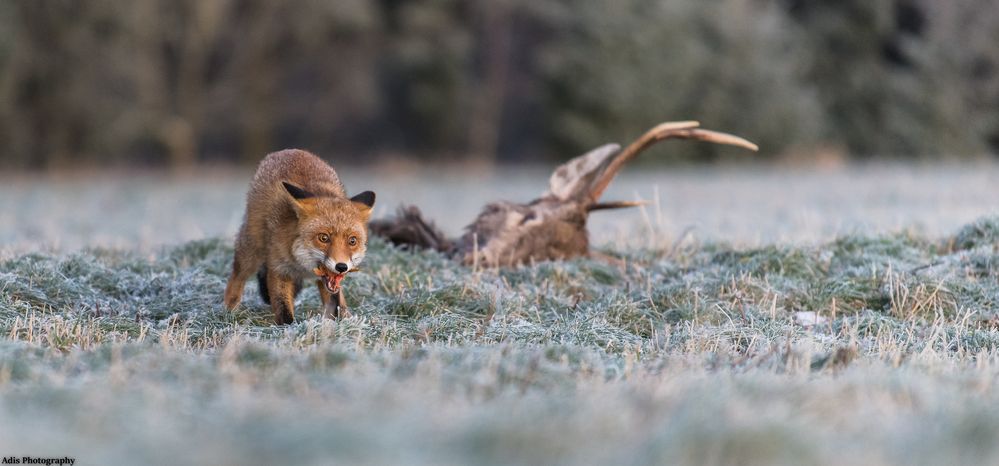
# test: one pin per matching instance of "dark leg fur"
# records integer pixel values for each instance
(283, 314)
(262, 285)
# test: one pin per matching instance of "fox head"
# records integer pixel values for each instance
(332, 231)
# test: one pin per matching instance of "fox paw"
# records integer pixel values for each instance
(232, 301)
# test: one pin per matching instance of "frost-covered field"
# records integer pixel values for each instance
(750, 207)
(765, 316)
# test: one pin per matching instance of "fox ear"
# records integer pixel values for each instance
(364, 201)
(301, 200)
(296, 192)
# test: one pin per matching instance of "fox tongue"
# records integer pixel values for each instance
(333, 282)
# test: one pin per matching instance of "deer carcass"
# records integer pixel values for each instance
(551, 227)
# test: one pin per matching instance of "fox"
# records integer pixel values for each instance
(299, 225)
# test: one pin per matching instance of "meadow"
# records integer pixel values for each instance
(764, 316)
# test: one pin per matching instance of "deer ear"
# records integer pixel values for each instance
(364, 201)
(296, 192)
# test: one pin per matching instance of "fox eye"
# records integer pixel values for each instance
(352, 241)
(323, 238)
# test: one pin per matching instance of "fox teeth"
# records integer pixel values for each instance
(332, 282)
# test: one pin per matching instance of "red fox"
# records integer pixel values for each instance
(299, 224)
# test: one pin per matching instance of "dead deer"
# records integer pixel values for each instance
(551, 227)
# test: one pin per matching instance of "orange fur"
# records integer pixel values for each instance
(298, 218)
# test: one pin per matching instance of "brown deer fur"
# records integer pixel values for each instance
(552, 226)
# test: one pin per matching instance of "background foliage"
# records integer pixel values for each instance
(183, 82)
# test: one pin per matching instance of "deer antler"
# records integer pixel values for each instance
(663, 131)
(552, 226)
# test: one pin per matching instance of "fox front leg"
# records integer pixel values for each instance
(341, 303)
(334, 305)
(282, 294)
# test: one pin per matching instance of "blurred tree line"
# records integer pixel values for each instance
(182, 82)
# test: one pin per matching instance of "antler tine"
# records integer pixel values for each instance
(663, 131)
(615, 205)
(718, 137)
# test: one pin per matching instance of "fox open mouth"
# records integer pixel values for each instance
(330, 279)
